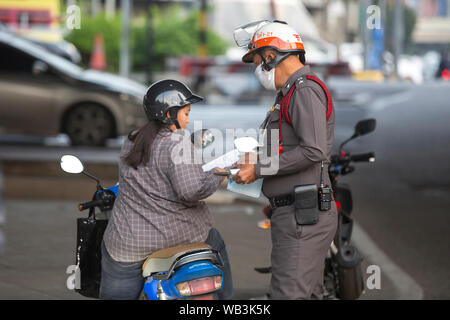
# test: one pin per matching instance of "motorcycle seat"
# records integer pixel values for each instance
(162, 260)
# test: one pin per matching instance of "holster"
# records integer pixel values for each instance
(306, 204)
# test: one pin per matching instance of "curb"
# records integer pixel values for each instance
(405, 286)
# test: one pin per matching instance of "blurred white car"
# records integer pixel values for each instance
(410, 68)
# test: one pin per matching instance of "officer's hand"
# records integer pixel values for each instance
(246, 173)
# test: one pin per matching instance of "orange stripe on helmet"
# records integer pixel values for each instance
(275, 42)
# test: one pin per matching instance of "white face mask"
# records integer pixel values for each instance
(266, 78)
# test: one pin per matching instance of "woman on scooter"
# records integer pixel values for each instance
(161, 187)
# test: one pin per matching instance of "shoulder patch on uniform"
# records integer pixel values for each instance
(302, 82)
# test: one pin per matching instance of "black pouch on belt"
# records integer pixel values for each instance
(305, 203)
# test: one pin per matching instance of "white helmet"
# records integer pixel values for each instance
(266, 34)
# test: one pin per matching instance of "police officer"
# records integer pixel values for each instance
(302, 118)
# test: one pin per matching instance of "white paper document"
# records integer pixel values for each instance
(223, 161)
(243, 145)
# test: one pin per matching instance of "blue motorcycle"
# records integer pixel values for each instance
(191, 271)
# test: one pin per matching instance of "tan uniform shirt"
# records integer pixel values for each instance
(305, 144)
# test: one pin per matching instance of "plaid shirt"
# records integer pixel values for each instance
(159, 205)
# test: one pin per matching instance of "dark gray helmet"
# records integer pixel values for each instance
(167, 96)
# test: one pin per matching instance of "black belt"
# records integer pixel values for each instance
(281, 201)
(285, 200)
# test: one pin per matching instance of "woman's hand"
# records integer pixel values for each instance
(246, 165)
(221, 170)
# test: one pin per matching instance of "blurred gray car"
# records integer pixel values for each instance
(43, 94)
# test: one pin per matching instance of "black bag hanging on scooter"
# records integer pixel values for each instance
(88, 253)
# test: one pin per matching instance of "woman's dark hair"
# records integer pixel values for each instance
(142, 139)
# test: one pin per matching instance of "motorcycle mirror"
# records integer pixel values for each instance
(71, 164)
(202, 138)
(364, 127)
(361, 128)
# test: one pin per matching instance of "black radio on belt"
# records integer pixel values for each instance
(325, 194)
(325, 198)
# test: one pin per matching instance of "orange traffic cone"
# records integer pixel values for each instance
(98, 60)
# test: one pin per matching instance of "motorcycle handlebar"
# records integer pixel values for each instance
(370, 156)
(89, 204)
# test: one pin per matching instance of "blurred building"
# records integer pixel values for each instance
(137, 6)
(229, 14)
(38, 19)
(433, 24)
(337, 20)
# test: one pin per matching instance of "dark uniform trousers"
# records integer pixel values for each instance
(298, 254)
(298, 251)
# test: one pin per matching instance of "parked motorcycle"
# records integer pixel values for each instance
(343, 277)
(190, 271)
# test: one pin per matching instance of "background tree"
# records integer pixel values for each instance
(174, 34)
